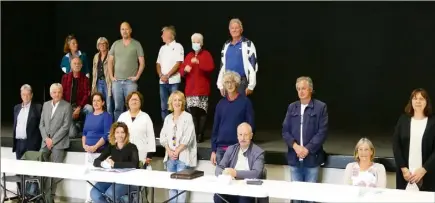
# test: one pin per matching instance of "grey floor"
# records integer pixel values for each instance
(336, 143)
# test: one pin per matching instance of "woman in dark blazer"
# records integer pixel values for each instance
(414, 144)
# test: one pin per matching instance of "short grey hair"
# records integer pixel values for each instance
(236, 20)
(171, 29)
(26, 87)
(305, 78)
(231, 76)
(199, 37)
(55, 86)
(102, 40)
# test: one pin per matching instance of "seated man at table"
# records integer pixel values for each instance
(244, 160)
(120, 153)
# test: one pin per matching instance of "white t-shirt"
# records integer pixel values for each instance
(169, 55)
(303, 106)
(417, 131)
(242, 161)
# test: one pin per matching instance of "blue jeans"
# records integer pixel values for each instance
(107, 189)
(219, 154)
(176, 166)
(304, 174)
(120, 90)
(102, 88)
(166, 91)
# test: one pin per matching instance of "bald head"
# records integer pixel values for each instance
(244, 135)
(126, 30)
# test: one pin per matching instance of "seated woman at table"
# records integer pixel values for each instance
(244, 160)
(364, 172)
(119, 154)
(179, 139)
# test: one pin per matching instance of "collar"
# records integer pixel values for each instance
(171, 44)
(27, 105)
(237, 96)
(138, 114)
(310, 104)
(79, 53)
(247, 150)
(54, 105)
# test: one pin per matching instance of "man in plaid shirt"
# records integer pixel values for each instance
(76, 91)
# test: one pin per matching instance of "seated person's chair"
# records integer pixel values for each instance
(32, 184)
(229, 165)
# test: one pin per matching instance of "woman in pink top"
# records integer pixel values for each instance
(364, 172)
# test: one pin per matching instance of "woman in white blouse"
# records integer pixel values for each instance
(179, 139)
(140, 126)
(364, 172)
(414, 144)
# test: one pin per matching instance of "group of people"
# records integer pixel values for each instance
(114, 138)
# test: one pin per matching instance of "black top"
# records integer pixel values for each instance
(100, 67)
(401, 151)
(74, 92)
(127, 157)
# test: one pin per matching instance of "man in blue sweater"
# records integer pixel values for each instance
(231, 111)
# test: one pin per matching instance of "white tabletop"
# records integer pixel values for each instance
(319, 192)
(55, 170)
(324, 192)
(207, 183)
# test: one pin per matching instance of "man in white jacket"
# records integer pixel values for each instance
(239, 55)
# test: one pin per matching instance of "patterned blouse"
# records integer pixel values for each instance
(375, 176)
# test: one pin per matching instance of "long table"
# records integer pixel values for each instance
(319, 192)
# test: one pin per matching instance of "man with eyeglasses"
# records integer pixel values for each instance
(230, 112)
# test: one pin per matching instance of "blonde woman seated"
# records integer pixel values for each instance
(179, 139)
(364, 172)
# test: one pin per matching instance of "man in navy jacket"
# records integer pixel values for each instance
(27, 115)
(304, 130)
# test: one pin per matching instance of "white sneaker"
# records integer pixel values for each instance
(88, 201)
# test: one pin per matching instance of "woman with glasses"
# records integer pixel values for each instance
(140, 126)
(178, 138)
(101, 81)
(71, 49)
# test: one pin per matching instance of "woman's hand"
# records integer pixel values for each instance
(110, 161)
(417, 175)
(406, 174)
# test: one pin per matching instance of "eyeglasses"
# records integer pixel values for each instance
(174, 136)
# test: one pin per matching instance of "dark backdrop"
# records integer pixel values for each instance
(364, 57)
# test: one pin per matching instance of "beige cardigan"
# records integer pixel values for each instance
(106, 74)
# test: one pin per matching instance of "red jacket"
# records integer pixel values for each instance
(82, 89)
(198, 79)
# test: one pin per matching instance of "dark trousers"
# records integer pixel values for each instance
(243, 85)
(20, 148)
(233, 199)
(199, 117)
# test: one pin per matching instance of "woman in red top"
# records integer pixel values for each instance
(196, 68)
